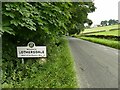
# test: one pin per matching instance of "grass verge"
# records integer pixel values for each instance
(107, 42)
(57, 71)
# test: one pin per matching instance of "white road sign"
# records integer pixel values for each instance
(31, 52)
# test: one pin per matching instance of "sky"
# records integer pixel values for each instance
(106, 9)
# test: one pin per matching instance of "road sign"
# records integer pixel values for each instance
(31, 51)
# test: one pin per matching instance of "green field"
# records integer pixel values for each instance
(107, 28)
(112, 33)
(99, 37)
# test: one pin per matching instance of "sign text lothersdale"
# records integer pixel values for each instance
(27, 52)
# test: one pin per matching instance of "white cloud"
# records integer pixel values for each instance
(106, 9)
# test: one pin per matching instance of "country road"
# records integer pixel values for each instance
(96, 65)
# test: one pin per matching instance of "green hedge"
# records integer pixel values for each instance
(56, 71)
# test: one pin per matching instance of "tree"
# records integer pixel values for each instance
(110, 22)
(117, 21)
(79, 12)
(104, 23)
(47, 21)
(40, 22)
(113, 22)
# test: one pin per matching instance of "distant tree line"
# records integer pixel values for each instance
(110, 22)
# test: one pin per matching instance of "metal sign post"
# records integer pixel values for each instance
(22, 61)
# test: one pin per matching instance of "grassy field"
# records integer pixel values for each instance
(107, 28)
(111, 33)
(57, 71)
(99, 37)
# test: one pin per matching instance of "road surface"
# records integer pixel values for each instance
(96, 65)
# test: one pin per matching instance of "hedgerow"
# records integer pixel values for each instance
(44, 23)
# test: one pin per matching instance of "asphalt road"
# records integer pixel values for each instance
(96, 65)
